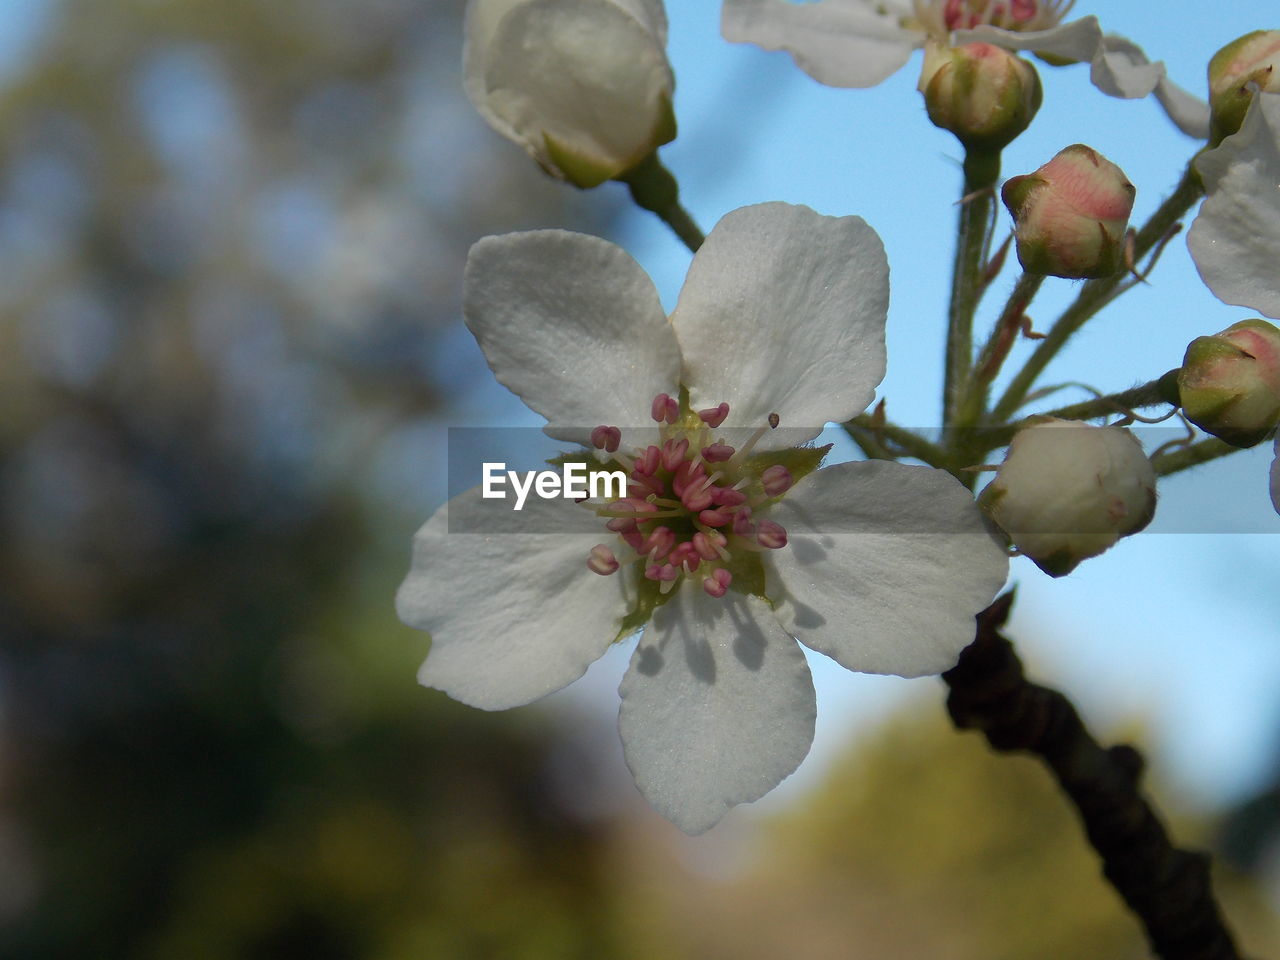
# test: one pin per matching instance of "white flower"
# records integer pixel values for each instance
(1235, 239)
(878, 565)
(859, 43)
(583, 85)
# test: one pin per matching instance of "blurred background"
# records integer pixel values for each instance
(231, 246)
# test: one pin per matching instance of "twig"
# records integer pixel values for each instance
(1166, 888)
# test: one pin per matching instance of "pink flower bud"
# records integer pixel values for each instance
(1253, 60)
(1229, 384)
(1070, 215)
(983, 94)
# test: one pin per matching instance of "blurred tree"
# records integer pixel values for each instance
(923, 843)
(231, 237)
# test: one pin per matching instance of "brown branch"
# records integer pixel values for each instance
(1167, 888)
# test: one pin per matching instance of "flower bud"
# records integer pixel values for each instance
(1254, 59)
(983, 94)
(1068, 491)
(1070, 215)
(1229, 384)
(583, 86)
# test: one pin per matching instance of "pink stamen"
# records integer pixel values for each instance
(776, 480)
(742, 524)
(606, 438)
(728, 497)
(649, 460)
(708, 545)
(718, 452)
(688, 474)
(684, 555)
(659, 543)
(718, 583)
(661, 572)
(602, 560)
(664, 408)
(770, 535)
(621, 524)
(632, 505)
(698, 498)
(673, 453)
(1023, 10)
(715, 518)
(715, 416)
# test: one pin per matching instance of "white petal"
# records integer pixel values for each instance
(650, 14)
(1275, 477)
(783, 312)
(513, 616)
(842, 43)
(572, 325)
(1118, 67)
(1078, 40)
(481, 23)
(585, 72)
(885, 567)
(1189, 113)
(1235, 241)
(717, 707)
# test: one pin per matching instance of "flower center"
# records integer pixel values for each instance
(940, 17)
(691, 500)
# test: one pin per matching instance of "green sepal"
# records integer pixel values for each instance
(582, 171)
(747, 569)
(664, 128)
(799, 461)
(649, 597)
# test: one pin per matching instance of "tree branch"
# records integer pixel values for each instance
(1167, 888)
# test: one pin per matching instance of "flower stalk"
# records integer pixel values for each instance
(1192, 455)
(981, 171)
(654, 189)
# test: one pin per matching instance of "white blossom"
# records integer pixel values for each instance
(859, 43)
(729, 543)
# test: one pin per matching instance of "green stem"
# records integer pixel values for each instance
(981, 171)
(973, 399)
(868, 442)
(1095, 294)
(1150, 394)
(655, 189)
(1191, 456)
(909, 441)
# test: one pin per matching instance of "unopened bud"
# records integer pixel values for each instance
(1068, 491)
(1070, 215)
(1229, 384)
(983, 94)
(584, 87)
(1234, 72)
